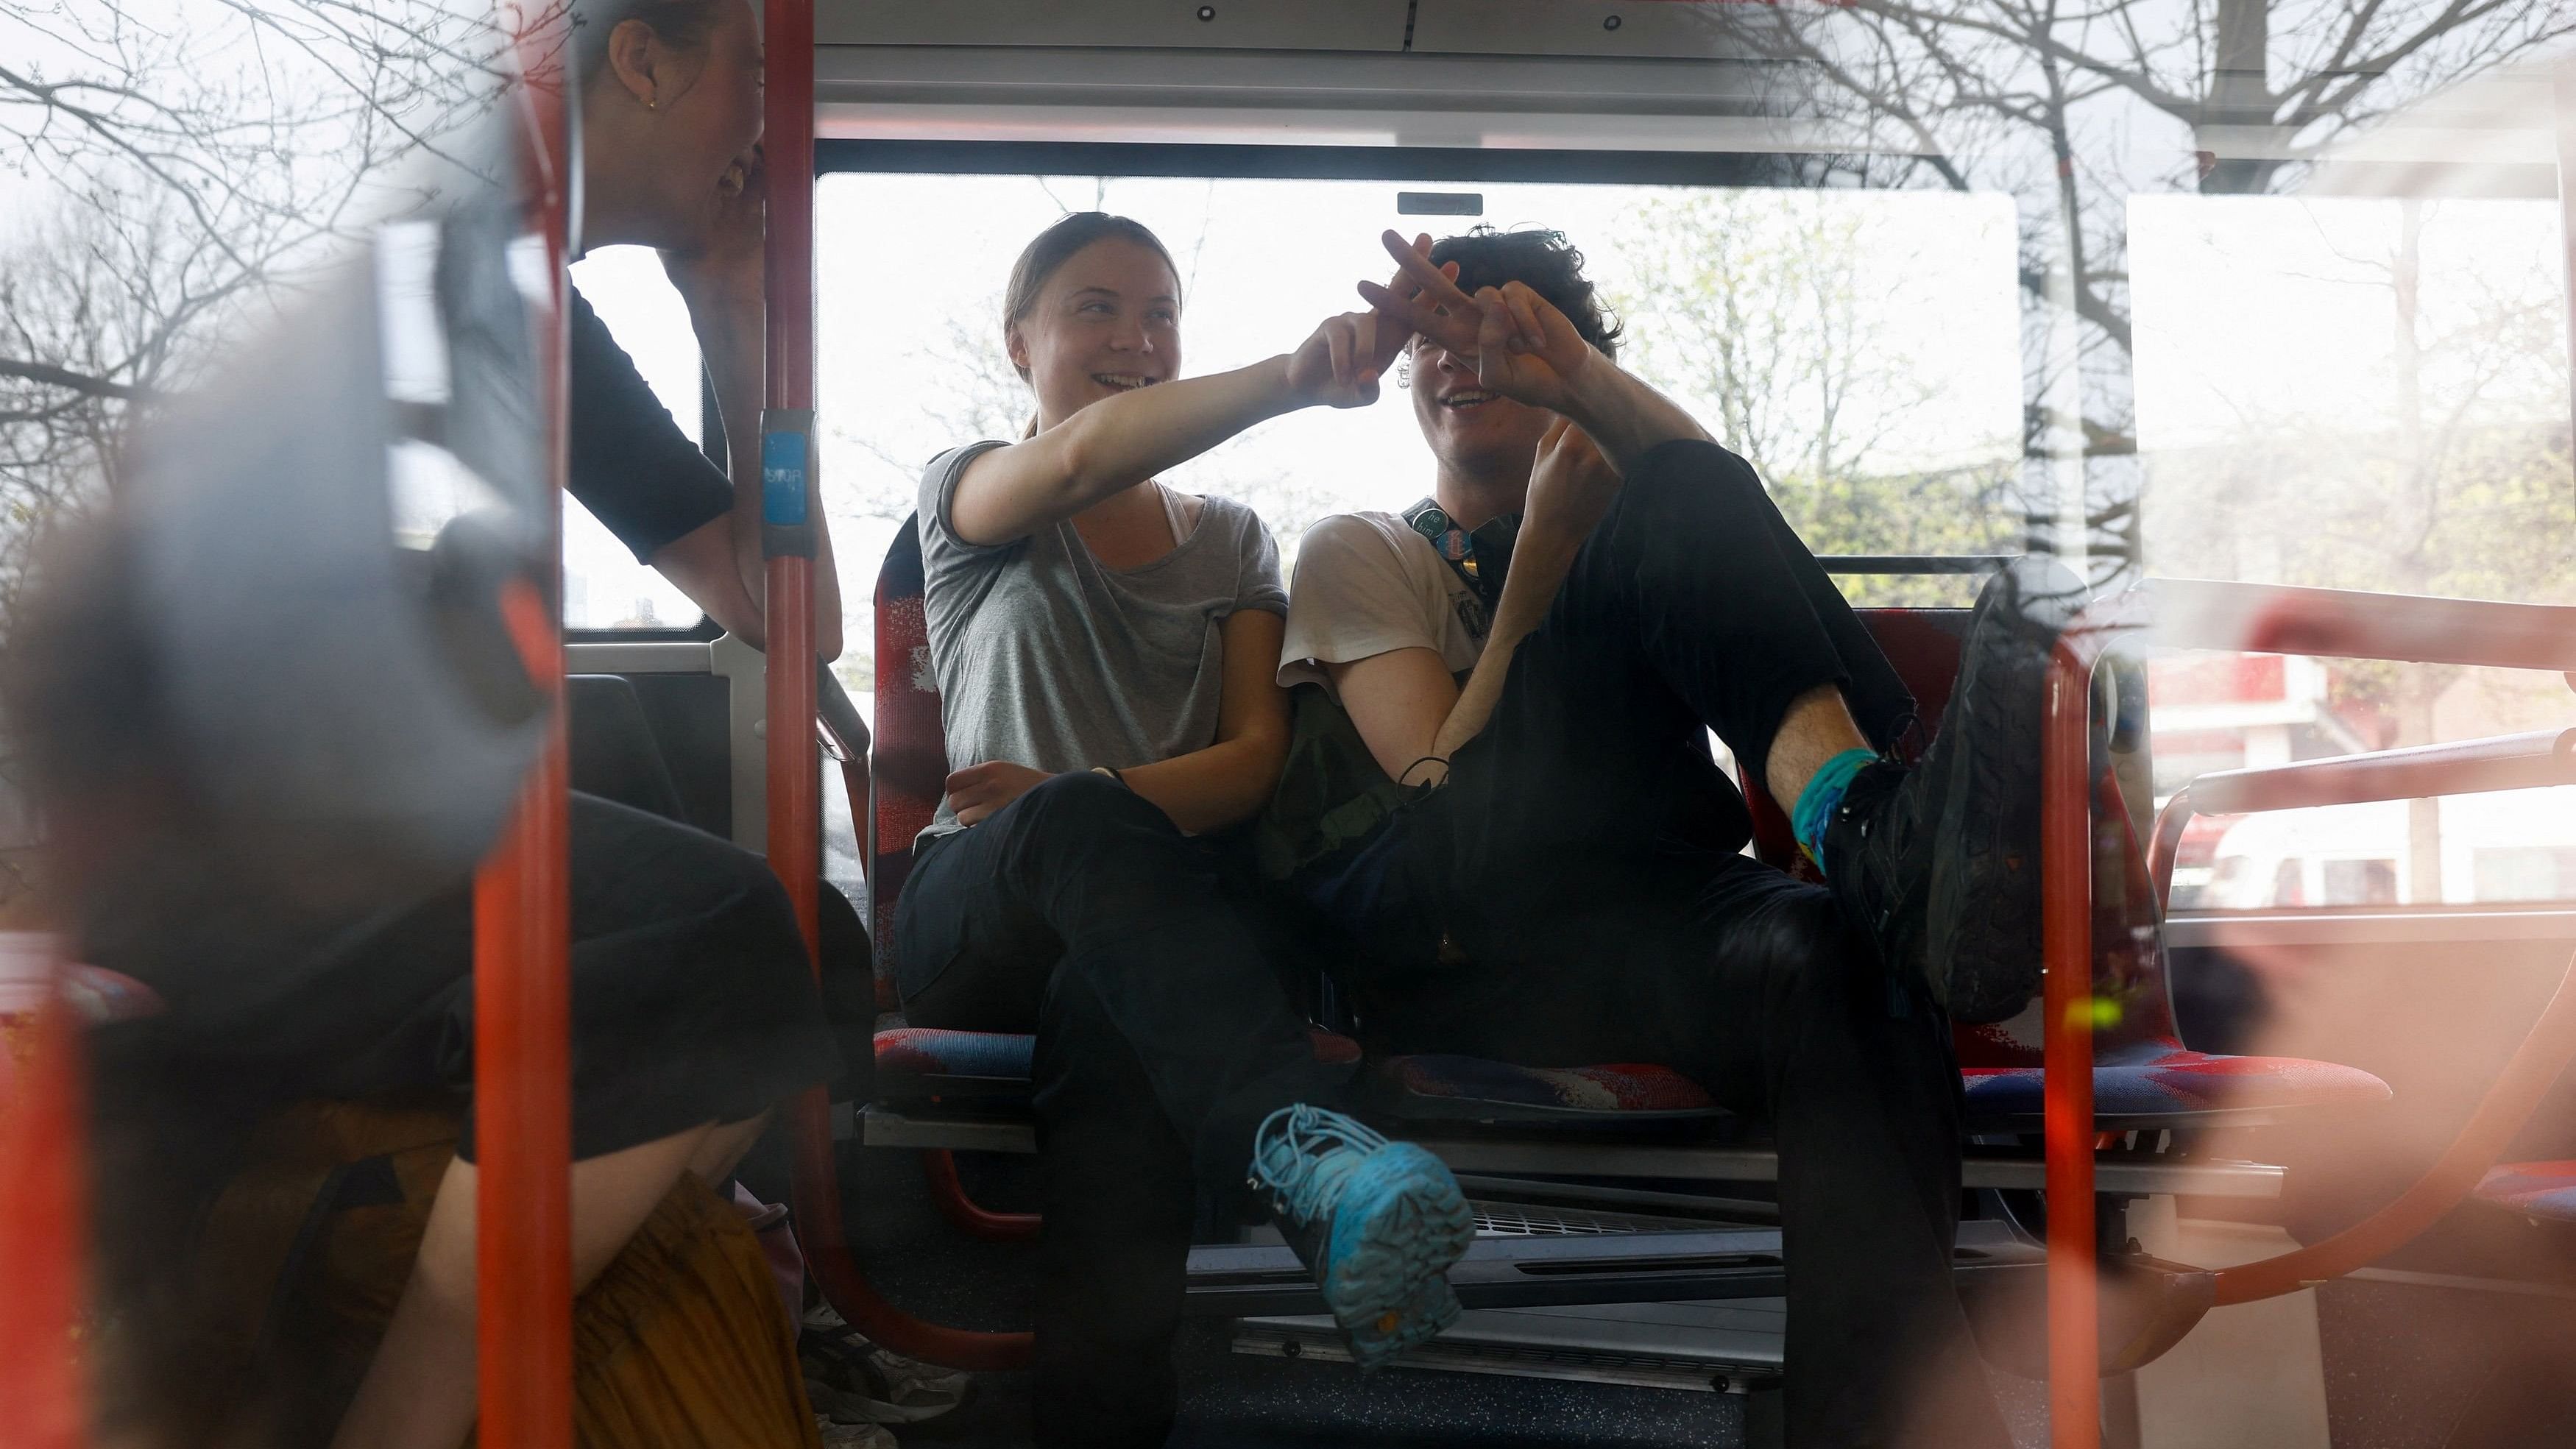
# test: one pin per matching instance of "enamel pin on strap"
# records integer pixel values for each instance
(1456, 546)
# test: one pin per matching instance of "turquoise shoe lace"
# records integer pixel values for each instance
(1294, 1160)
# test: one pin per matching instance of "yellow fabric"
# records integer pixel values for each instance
(680, 1342)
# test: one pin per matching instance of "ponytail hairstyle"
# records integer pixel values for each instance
(1050, 249)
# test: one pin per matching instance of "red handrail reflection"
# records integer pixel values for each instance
(522, 913)
(44, 1206)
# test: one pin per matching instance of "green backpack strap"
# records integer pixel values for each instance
(1331, 794)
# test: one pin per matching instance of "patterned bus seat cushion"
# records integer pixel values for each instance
(2533, 1189)
(916, 1052)
(1615, 1088)
(2156, 1079)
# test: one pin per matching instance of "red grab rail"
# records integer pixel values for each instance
(2066, 997)
(44, 1206)
(948, 1194)
(2255, 618)
(795, 765)
(522, 911)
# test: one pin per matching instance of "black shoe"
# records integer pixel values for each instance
(1940, 862)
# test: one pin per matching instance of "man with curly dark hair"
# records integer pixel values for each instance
(1538, 860)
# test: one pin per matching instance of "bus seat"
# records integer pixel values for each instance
(2143, 1076)
(1432, 1087)
(98, 996)
(2543, 1191)
(2149, 1084)
(611, 747)
(918, 1064)
(915, 1063)
(95, 996)
(908, 765)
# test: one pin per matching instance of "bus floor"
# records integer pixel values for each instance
(1235, 1400)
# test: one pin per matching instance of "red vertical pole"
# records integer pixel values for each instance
(522, 915)
(787, 431)
(2066, 895)
(44, 1191)
(788, 536)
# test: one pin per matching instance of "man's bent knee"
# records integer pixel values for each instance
(1688, 487)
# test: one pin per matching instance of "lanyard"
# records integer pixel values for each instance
(1479, 557)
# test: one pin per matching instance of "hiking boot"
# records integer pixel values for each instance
(1378, 1223)
(1940, 861)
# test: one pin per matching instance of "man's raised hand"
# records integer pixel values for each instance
(1519, 343)
(1571, 486)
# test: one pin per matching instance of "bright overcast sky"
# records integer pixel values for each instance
(2246, 308)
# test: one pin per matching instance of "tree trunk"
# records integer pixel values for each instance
(2240, 93)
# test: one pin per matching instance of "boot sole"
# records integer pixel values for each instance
(1390, 1291)
(1985, 905)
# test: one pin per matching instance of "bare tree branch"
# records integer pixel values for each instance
(64, 377)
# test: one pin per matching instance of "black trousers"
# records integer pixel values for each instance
(1582, 862)
(692, 1001)
(1164, 1036)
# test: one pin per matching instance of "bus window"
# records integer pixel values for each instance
(604, 587)
(2355, 393)
(2360, 882)
(2362, 393)
(1879, 429)
(2523, 872)
(2213, 712)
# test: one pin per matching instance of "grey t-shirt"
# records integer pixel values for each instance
(1046, 658)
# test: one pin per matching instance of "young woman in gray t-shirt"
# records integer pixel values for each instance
(1104, 649)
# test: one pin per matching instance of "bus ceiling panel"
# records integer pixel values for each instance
(1506, 146)
(1284, 80)
(1432, 164)
(1305, 99)
(1326, 25)
(1658, 29)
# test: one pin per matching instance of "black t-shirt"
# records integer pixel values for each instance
(631, 466)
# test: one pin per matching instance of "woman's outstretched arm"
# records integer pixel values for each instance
(1010, 492)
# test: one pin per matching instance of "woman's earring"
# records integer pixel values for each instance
(1404, 371)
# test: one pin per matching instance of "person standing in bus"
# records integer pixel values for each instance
(1553, 873)
(1104, 645)
(693, 1008)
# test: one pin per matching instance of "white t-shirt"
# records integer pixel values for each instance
(1367, 584)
